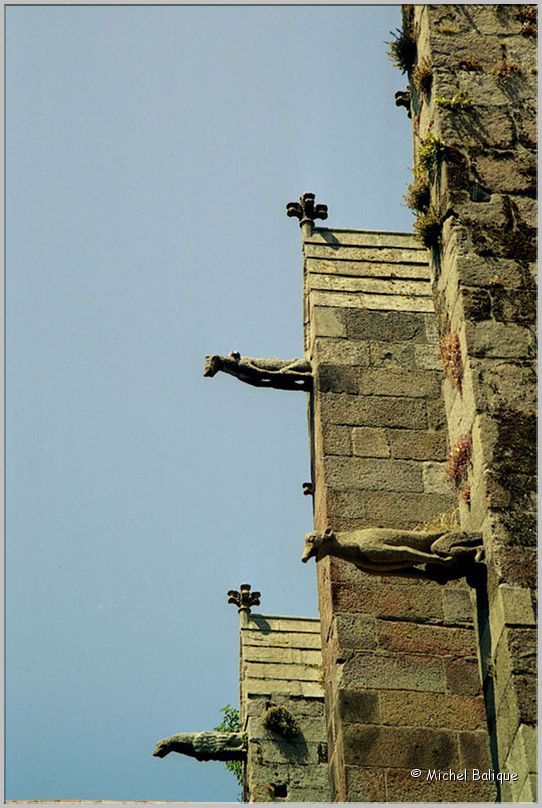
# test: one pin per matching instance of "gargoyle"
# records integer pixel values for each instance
(205, 745)
(283, 374)
(384, 551)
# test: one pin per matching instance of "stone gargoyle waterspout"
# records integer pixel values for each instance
(282, 374)
(385, 551)
(205, 745)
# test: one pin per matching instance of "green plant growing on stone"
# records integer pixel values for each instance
(450, 355)
(431, 153)
(457, 466)
(456, 102)
(402, 50)
(423, 76)
(428, 227)
(281, 721)
(231, 722)
(418, 195)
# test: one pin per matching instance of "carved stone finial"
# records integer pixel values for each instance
(305, 210)
(308, 489)
(244, 599)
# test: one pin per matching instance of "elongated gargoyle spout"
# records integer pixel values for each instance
(282, 374)
(205, 745)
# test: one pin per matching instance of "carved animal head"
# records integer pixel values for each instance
(214, 362)
(317, 545)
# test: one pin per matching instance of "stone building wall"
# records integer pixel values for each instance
(401, 675)
(281, 666)
(482, 188)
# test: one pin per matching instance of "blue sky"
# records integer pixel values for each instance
(150, 154)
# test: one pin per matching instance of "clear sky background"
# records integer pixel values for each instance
(150, 154)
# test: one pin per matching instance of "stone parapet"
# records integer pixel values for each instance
(281, 667)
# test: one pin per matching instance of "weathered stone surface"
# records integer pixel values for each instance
(385, 326)
(457, 605)
(336, 440)
(434, 479)
(336, 379)
(385, 509)
(341, 352)
(393, 672)
(499, 340)
(365, 785)
(370, 442)
(474, 749)
(359, 706)
(424, 639)
(328, 322)
(396, 382)
(391, 600)
(372, 474)
(427, 357)
(393, 411)
(341, 236)
(395, 747)
(462, 676)
(392, 355)
(414, 444)
(436, 710)
(416, 268)
(400, 783)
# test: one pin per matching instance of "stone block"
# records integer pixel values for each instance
(355, 631)
(335, 378)
(499, 340)
(414, 444)
(457, 605)
(358, 706)
(516, 566)
(341, 352)
(345, 300)
(514, 173)
(373, 671)
(385, 509)
(522, 757)
(434, 478)
(392, 354)
(383, 326)
(462, 676)
(345, 504)
(427, 358)
(336, 440)
(436, 415)
(345, 473)
(423, 639)
(490, 272)
(474, 750)
(386, 411)
(342, 237)
(429, 789)
(434, 710)
(384, 597)
(328, 322)
(417, 268)
(370, 442)
(365, 785)
(399, 382)
(518, 705)
(395, 747)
